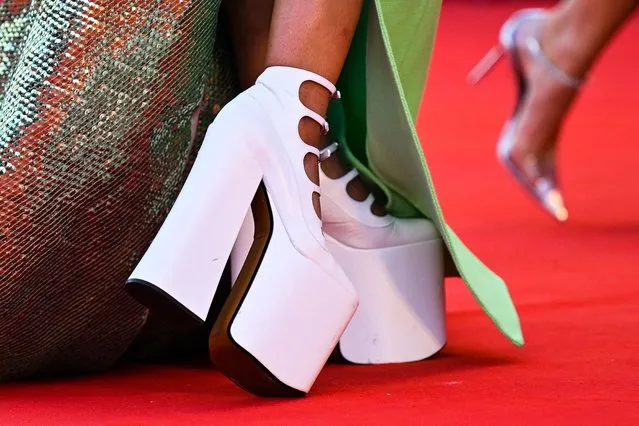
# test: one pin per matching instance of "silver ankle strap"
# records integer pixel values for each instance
(535, 49)
(327, 152)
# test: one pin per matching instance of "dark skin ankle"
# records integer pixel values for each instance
(257, 44)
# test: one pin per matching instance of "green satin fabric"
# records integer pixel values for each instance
(381, 85)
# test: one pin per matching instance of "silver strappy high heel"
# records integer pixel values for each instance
(543, 187)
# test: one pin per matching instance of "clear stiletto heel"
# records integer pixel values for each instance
(292, 301)
(486, 64)
(505, 45)
(396, 266)
(538, 173)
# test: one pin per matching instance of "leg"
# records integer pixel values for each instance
(572, 38)
(404, 333)
(326, 28)
(578, 30)
(412, 238)
(313, 35)
(288, 273)
(267, 33)
(250, 23)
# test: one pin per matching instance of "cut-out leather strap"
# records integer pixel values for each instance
(291, 80)
(294, 77)
(318, 118)
(304, 150)
(346, 179)
(349, 176)
(336, 190)
(285, 84)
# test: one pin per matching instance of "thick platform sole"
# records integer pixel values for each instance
(401, 316)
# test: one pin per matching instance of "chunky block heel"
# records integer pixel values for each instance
(178, 275)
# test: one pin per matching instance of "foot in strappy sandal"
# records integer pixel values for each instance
(527, 145)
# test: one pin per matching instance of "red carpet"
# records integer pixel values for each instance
(574, 284)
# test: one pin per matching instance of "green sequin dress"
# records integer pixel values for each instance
(103, 105)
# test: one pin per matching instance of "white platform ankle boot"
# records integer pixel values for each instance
(291, 301)
(396, 266)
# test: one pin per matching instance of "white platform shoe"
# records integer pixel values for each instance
(396, 265)
(291, 301)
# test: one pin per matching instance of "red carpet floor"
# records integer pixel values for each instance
(575, 284)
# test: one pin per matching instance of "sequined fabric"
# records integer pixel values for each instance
(102, 106)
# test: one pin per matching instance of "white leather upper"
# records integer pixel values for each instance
(282, 151)
(352, 222)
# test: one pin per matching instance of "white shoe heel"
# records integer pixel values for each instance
(178, 275)
(396, 266)
(291, 301)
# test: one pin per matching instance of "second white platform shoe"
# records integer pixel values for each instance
(396, 265)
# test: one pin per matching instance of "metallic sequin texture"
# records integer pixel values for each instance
(102, 106)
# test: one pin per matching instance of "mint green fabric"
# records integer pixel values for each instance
(381, 85)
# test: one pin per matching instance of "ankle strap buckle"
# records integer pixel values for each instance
(327, 152)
